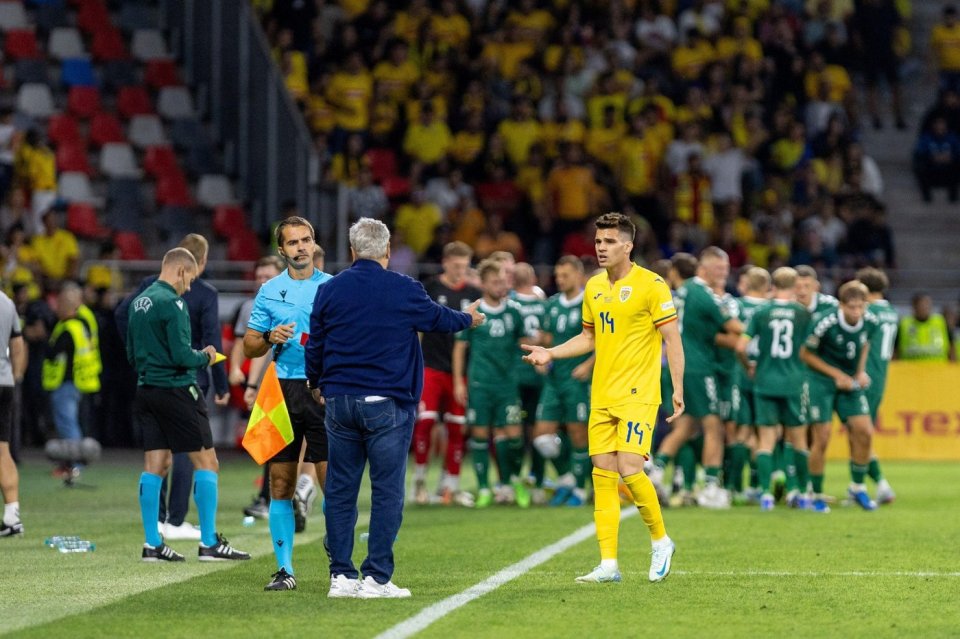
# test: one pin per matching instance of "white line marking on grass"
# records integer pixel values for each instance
(444, 607)
(787, 573)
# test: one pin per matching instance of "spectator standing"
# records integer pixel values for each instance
(935, 160)
(923, 336)
(56, 249)
(13, 363)
(945, 46)
(875, 23)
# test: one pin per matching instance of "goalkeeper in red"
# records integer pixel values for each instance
(627, 313)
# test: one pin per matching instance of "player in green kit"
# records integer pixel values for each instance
(532, 304)
(881, 352)
(776, 331)
(836, 350)
(566, 393)
(755, 288)
(702, 319)
(493, 398)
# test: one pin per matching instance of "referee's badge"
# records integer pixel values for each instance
(625, 293)
(142, 304)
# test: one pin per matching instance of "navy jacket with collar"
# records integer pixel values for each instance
(363, 333)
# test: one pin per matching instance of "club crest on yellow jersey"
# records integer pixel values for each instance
(625, 293)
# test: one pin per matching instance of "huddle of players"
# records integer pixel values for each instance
(477, 378)
(765, 372)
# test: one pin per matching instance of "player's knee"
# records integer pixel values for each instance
(547, 445)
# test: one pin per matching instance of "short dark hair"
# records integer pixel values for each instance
(685, 264)
(805, 270)
(271, 260)
(619, 221)
(293, 220)
(852, 290)
(714, 252)
(874, 279)
(457, 249)
(488, 266)
(571, 260)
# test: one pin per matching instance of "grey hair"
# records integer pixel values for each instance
(369, 238)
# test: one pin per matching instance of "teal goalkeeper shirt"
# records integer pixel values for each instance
(283, 300)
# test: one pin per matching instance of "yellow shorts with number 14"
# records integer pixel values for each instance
(625, 428)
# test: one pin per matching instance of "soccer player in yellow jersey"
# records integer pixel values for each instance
(627, 312)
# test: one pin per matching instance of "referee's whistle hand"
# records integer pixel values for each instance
(478, 317)
(282, 332)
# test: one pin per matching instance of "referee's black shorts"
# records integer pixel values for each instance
(6, 413)
(172, 418)
(307, 417)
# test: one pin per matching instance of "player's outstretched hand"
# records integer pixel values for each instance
(478, 317)
(211, 353)
(678, 406)
(536, 355)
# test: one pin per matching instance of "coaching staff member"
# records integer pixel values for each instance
(364, 361)
(169, 409)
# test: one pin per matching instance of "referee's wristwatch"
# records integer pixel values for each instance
(266, 335)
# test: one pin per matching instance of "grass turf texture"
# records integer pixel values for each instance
(736, 573)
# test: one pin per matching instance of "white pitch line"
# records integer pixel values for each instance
(787, 573)
(444, 607)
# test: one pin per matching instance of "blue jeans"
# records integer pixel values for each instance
(361, 428)
(65, 402)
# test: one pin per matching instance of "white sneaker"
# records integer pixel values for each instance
(504, 494)
(342, 587)
(885, 494)
(185, 531)
(538, 497)
(599, 576)
(660, 558)
(714, 497)
(307, 491)
(463, 498)
(370, 589)
(421, 496)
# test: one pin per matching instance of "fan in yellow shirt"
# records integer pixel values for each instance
(428, 139)
(609, 95)
(406, 24)
(449, 27)
(418, 221)
(56, 249)
(689, 60)
(520, 132)
(741, 43)
(636, 167)
(945, 42)
(603, 142)
(468, 143)
(832, 76)
(349, 92)
(533, 24)
(398, 74)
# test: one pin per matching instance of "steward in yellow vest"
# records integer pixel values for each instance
(923, 336)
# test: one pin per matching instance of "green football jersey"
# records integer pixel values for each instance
(494, 345)
(563, 322)
(821, 303)
(837, 343)
(778, 328)
(883, 340)
(727, 357)
(748, 306)
(701, 317)
(532, 309)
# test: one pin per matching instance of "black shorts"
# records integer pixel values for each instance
(6, 413)
(172, 418)
(307, 418)
(883, 65)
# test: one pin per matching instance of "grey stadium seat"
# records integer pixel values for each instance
(148, 44)
(65, 42)
(175, 103)
(214, 190)
(117, 160)
(13, 16)
(35, 100)
(145, 130)
(75, 187)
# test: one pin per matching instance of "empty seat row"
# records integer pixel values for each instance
(173, 103)
(107, 44)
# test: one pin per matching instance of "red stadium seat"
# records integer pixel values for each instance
(83, 101)
(108, 46)
(244, 247)
(396, 187)
(130, 245)
(92, 16)
(62, 129)
(134, 100)
(21, 44)
(383, 163)
(105, 128)
(73, 158)
(229, 220)
(162, 73)
(173, 190)
(160, 160)
(83, 222)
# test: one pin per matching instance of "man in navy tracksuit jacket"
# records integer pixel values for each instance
(363, 359)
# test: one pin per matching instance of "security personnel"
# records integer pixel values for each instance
(924, 335)
(71, 368)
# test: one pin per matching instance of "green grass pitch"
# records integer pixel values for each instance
(739, 573)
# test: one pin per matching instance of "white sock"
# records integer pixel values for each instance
(608, 565)
(567, 479)
(663, 541)
(420, 472)
(11, 513)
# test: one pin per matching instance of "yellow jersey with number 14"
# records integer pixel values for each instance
(625, 317)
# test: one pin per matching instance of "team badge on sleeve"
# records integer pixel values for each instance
(142, 305)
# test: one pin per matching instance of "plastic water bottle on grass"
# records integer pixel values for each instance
(79, 545)
(56, 540)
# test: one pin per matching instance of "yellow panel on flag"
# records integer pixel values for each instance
(269, 430)
(919, 417)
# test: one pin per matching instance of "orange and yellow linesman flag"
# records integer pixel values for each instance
(269, 430)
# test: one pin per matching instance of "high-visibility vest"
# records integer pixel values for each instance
(926, 341)
(86, 361)
(87, 317)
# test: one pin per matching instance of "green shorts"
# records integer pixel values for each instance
(497, 407)
(564, 402)
(742, 406)
(825, 400)
(874, 397)
(725, 397)
(700, 394)
(780, 411)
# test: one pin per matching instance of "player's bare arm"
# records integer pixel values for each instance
(861, 377)
(671, 339)
(814, 361)
(579, 345)
(255, 345)
(458, 364)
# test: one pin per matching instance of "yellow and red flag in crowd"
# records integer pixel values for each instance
(269, 430)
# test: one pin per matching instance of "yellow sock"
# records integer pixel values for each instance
(606, 511)
(645, 497)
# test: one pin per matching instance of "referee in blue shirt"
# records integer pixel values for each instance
(364, 362)
(280, 320)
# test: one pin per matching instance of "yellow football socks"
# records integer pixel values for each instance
(606, 511)
(645, 497)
